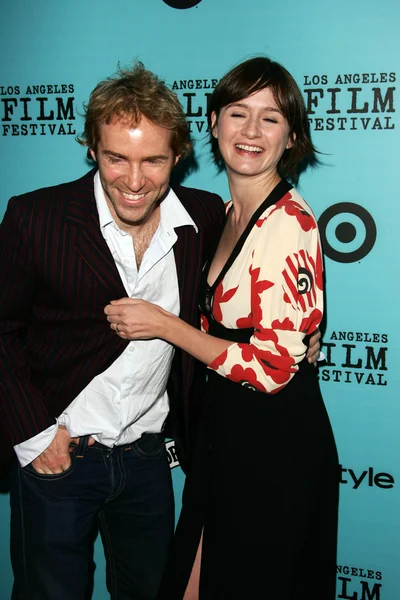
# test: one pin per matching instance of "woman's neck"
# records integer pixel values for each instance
(248, 193)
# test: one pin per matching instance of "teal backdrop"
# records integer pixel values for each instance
(345, 58)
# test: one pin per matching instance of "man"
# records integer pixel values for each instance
(84, 409)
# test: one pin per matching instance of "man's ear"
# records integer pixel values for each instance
(214, 124)
(176, 159)
(92, 154)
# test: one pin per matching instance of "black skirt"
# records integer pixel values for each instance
(263, 486)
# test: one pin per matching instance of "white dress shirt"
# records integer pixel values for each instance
(130, 397)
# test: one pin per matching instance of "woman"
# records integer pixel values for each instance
(260, 503)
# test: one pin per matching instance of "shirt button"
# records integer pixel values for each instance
(126, 394)
(131, 348)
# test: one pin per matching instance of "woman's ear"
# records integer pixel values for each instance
(214, 126)
(291, 141)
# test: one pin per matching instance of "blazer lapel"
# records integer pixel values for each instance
(90, 244)
(187, 250)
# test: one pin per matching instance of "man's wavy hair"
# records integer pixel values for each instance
(128, 95)
(258, 74)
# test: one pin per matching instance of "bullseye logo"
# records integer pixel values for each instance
(181, 4)
(348, 232)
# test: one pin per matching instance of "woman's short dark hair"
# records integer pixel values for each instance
(258, 74)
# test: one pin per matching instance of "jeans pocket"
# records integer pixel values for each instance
(150, 445)
(29, 470)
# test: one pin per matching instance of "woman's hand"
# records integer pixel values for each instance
(314, 347)
(134, 319)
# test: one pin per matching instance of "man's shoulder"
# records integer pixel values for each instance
(205, 208)
(190, 193)
(55, 192)
(200, 202)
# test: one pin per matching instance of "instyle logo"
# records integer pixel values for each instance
(45, 109)
(366, 478)
(348, 232)
(182, 4)
(351, 101)
(355, 357)
(356, 583)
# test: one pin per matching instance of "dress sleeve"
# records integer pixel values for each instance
(286, 300)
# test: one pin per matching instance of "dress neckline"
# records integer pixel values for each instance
(274, 196)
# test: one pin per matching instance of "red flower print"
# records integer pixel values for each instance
(245, 322)
(282, 202)
(204, 323)
(278, 364)
(266, 335)
(219, 297)
(306, 221)
(217, 362)
(309, 324)
(257, 287)
(245, 377)
(278, 368)
(294, 209)
(286, 324)
(247, 352)
(260, 222)
(286, 298)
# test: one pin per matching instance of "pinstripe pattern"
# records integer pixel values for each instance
(191, 252)
(56, 276)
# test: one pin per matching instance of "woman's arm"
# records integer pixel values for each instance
(141, 320)
(138, 319)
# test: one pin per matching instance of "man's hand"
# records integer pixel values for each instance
(314, 348)
(56, 458)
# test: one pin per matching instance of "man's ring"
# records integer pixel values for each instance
(116, 328)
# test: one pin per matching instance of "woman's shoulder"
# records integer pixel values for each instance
(291, 205)
(296, 198)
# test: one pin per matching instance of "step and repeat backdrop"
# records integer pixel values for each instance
(345, 58)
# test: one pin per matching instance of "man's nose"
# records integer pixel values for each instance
(136, 178)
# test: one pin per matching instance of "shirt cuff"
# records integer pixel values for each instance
(30, 449)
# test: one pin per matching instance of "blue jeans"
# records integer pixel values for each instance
(125, 492)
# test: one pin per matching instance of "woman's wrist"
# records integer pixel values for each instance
(168, 326)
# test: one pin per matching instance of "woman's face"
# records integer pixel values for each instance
(252, 135)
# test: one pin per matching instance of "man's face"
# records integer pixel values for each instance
(135, 164)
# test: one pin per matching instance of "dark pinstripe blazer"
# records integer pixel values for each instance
(56, 276)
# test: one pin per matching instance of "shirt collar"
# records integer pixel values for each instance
(172, 212)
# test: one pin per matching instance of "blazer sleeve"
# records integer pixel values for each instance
(23, 410)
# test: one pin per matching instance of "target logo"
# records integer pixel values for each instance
(181, 4)
(348, 232)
